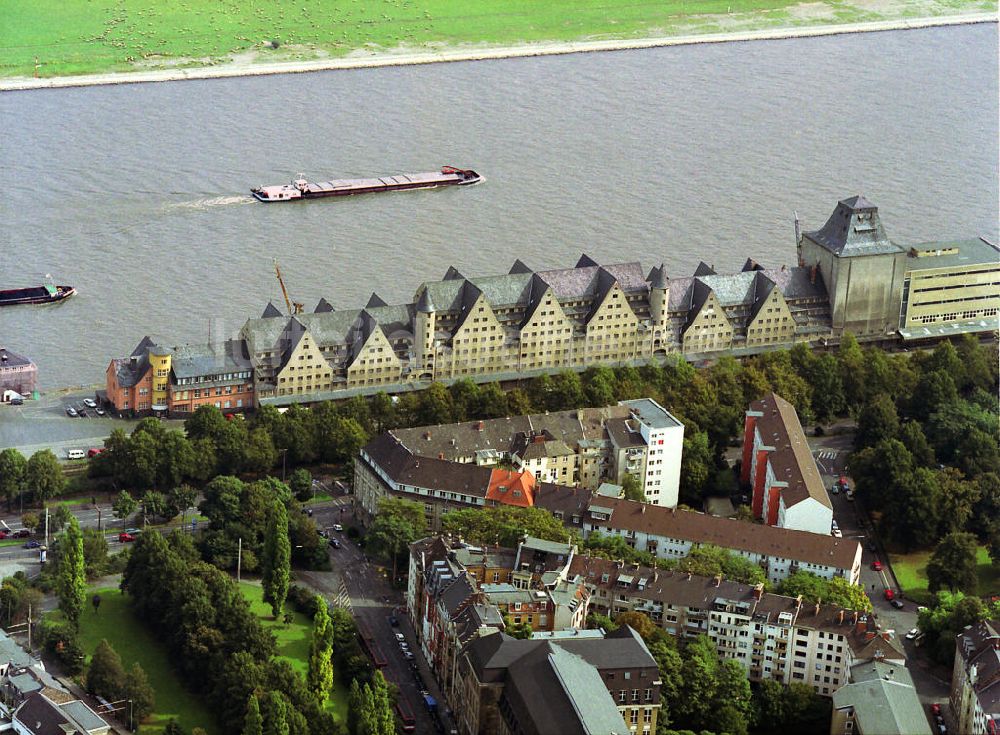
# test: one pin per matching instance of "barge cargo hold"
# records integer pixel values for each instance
(46, 294)
(302, 189)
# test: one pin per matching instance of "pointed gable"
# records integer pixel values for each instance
(658, 277)
(751, 265)
(452, 274)
(586, 261)
(375, 301)
(323, 307)
(270, 311)
(519, 267)
(704, 269)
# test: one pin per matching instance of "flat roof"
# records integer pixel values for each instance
(978, 251)
(932, 331)
(652, 413)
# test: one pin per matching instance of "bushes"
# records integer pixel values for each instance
(302, 600)
(59, 639)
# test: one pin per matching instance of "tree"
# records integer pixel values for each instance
(633, 488)
(253, 723)
(13, 472)
(276, 568)
(124, 506)
(140, 694)
(301, 485)
(105, 675)
(59, 519)
(953, 564)
(320, 674)
(398, 524)
(696, 465)
(828, 389)
(43, 475)
(181, 498)
(173, 728)
(877, 421)
(71, 583)
(276, 722)
(521, 630)
(260, 455)
(639, 622)
(155, 505)
(31, 521)
(384, 720)
(206, 422)
(836, 591)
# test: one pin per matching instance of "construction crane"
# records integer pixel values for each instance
(294, 307)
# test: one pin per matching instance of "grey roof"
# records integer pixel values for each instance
(325, 327)
(554, 692)
(425, 305)
(9, 358)
(854, 229)
(798, 283)
(704, 269)
(658, 277)
(457, 594)
(549, 547)
(732, 289)
(586, 261)
(883, 699)
(452, 274)
(751, 265)
(13, 653)
(270, 311)
(395, 321)
(651, 413)
(41, 715)
(375, 300)
(209, 359)
(519, 267)
(970, 252)
(323, 306)
(590, 282)
(84, 715)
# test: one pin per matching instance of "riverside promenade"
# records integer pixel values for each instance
(373, 59)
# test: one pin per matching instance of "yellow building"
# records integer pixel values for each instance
(159, 364)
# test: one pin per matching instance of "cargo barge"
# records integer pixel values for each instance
(302, 189)
(46, 294)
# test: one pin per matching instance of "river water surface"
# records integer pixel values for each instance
(137, 194)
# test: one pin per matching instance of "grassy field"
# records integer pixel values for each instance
(293, 643)
(133, 642)
(911, 572)
(66, 37)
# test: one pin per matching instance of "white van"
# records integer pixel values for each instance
(75, 454)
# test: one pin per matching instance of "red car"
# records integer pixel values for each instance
(94, 452)
(3, 534)
(125, 537)
(889, 594)
(877, 565)
(935, 709)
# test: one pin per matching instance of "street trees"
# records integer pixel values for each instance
(320, 674)
(13, 472)
(43, 475)
(953, 564)
(124, 505)
(398, 524)
(71, 583)
(301, 484)
(276, 562)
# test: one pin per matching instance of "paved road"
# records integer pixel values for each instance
(43, 424)
(364, 589)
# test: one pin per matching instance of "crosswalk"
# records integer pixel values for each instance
(343, 598)
(827, 454)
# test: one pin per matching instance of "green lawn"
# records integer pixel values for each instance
(65, 37)
(133, 642)
(293, 643)
(911, 572)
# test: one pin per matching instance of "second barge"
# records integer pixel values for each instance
(46, 294)
(302, 189)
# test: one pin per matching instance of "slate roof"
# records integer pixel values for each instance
(798, 283)
(771, 541)
(519, 267)
(979, 644)
(551, 691)
(323, 306)
(11, 359)
(704, 269)
(884, 700)
(791, 460)
(209, 359)
(270, 311)
(375, 300)
(41, 715)
(853, 229)
(129, 372)
(658, 277)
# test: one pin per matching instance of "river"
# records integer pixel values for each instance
(137, 194)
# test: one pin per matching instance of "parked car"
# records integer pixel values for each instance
(31, 544)
(133, 531)
(335, 543)
(835, 489)
(870, 545)
(126, 537)
(400, 637)
(93, 452)
(337, 527)
(22, 533)
(913, 633)
(408, 655)
(3, 534)
(99, 411)
(935, 709)
(70, 411)
(82, 413)
(75, 454)
(889, 594)
(90, 403)
(837, 533)
(17, 401)
(877, 565)
(896, 603)
(393, 621)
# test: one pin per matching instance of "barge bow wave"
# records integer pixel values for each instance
(302, 189)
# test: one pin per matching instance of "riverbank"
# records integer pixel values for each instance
(383, 58)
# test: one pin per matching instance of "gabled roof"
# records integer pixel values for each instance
(270, 311)
(452, 274)
(658, 277)
(323, 306)
(704, 269)
(751, 265)
(512, 488)
(209, 359)
(884, 700)
(519, 267)
(9, 358)
(375, 300)
(586, 261)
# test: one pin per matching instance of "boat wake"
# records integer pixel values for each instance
(210, 202)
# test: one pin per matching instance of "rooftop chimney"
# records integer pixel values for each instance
(758, 591)
(840, 618)
(480, 425)
(816, 610)
(855, 622)
(718, 580)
